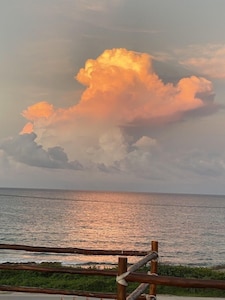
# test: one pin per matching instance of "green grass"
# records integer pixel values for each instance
(191, 272)
(108, 284)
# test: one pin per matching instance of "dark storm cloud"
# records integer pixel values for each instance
(24, 149)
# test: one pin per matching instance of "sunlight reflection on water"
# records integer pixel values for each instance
(190, 229)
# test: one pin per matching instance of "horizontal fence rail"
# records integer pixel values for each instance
(22, 289)
(70, 250)
(123, 275)
(68, 270)
(176, 281)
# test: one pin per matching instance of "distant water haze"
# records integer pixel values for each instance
(189, 228)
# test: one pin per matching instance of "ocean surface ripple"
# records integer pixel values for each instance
(189, 228)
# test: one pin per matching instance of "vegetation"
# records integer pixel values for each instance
(107, 284)
(191, 272)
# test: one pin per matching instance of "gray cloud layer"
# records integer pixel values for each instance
(24, 149)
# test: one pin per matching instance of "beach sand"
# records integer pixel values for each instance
(28, 296)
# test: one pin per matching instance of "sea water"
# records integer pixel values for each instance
(189, 228)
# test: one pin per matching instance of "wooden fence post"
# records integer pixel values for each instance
(154, 269)
(122, 268)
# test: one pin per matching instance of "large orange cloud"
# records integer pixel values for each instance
(38, 111)
(122, 86)
(122, 89)
(35, 113)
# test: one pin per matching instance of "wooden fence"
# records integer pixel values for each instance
(123, 275)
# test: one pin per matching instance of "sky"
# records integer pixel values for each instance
(121, 95)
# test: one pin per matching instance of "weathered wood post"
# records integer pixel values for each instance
(154, 269)
(122, 268)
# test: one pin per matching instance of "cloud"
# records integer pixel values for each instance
(38, 111)
(124, 81)
(143, 159)
(208, 60)
(123, 95)
(201, 163)
(145, 143)
(98, 5)
(24, 149)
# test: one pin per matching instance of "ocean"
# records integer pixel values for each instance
(188, 228)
